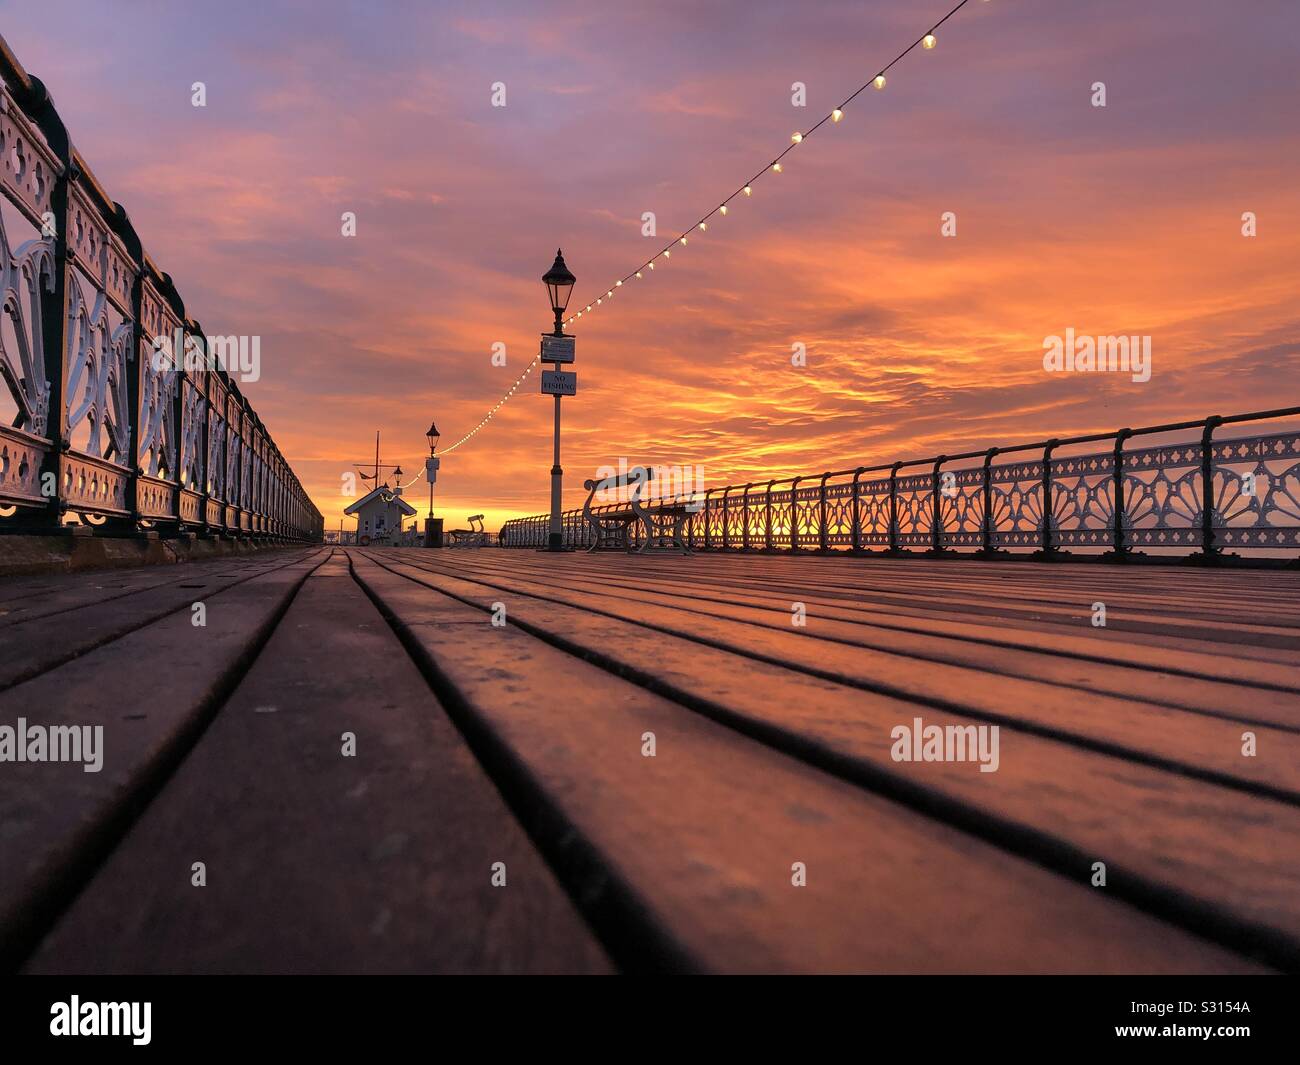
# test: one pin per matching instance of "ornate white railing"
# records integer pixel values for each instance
(95, 423)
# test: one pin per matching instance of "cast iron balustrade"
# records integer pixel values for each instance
(94, 423)
(1114, 498)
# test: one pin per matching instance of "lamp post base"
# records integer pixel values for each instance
(432, 532)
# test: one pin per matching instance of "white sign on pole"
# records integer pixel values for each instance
(431, 468)
(559, 383)
(557, 349)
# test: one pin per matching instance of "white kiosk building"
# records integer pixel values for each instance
(379, 515)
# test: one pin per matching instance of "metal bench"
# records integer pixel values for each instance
(474, 536)
(661, 524)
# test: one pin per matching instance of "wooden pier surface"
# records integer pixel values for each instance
(503, 706)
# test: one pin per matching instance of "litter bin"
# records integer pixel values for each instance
(432, 532)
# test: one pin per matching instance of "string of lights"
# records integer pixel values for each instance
(927, 42)
(486, 418)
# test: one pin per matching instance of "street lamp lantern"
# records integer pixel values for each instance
(432, 436)
(559, 284)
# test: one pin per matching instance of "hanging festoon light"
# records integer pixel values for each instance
(927, 43)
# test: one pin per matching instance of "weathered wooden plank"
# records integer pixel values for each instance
(57, 593)
(1273, 694)
(151, 691)
(1014, 585)
(316, 862)
(1192, 743)
(690, 853)
(947, 585)
(1208, 855)
(30, 648)
(1231, 660)
(741, 586)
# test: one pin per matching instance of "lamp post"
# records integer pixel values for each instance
(432, 526)
(559, 287)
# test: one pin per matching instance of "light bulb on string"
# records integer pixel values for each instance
(928, 42)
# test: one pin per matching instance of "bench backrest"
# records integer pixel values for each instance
(637, 475)
(476, 518)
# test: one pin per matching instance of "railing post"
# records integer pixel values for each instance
(1049, 544)
(987, 537)
(821, 516)
(767, 521)
(55, 327)
(55, 333)
(135, 372)
(794, 516)
(744, 516)
(856, 532)
(893, 508)
(708, 519)
(1121, 548)
(1208, 546)
(936, 497)
(726, 515)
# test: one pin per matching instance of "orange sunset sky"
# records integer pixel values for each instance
(1118, 220)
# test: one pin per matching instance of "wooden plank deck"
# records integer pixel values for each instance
(524, 742)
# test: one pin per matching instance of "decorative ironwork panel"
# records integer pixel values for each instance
(92, 485)
(1257, 491)
(28, 169)
(781, 516)
(159, 380)
(155, 499)
(1016, 504)
(961, 508)
(915, 513)
(21, 457)
(27, 275)
(839, 515)
(191, 507)
(194, 407)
